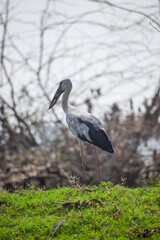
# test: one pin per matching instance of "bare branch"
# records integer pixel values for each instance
(129, 10)
(154, 27)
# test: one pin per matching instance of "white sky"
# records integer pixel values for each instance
(124, 64)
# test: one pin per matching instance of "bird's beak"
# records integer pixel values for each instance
(56, 96)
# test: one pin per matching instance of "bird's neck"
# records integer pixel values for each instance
(65, 99)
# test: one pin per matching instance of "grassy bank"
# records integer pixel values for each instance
(81, 213)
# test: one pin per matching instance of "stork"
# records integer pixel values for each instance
(83, 125)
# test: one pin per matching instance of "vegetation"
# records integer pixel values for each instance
(135, 138)
(89, 212)
(110, 52)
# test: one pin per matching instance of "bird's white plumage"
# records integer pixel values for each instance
(74, 125)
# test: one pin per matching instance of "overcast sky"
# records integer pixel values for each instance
(96, 45)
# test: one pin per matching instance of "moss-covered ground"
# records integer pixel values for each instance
(88, 212)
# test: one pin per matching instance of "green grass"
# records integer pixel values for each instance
(82, 213)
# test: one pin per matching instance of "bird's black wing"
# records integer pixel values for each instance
(96, 133)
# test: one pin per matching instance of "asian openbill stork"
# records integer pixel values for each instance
(83, 125)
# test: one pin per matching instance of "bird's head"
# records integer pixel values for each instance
(63, 85)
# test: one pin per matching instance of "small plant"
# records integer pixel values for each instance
(123, 181)
(74, 180)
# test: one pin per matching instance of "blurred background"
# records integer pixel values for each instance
(111, 52)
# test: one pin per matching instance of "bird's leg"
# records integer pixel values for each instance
(83, 163)
(98, 164)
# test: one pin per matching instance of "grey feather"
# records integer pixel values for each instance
(97, 133)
